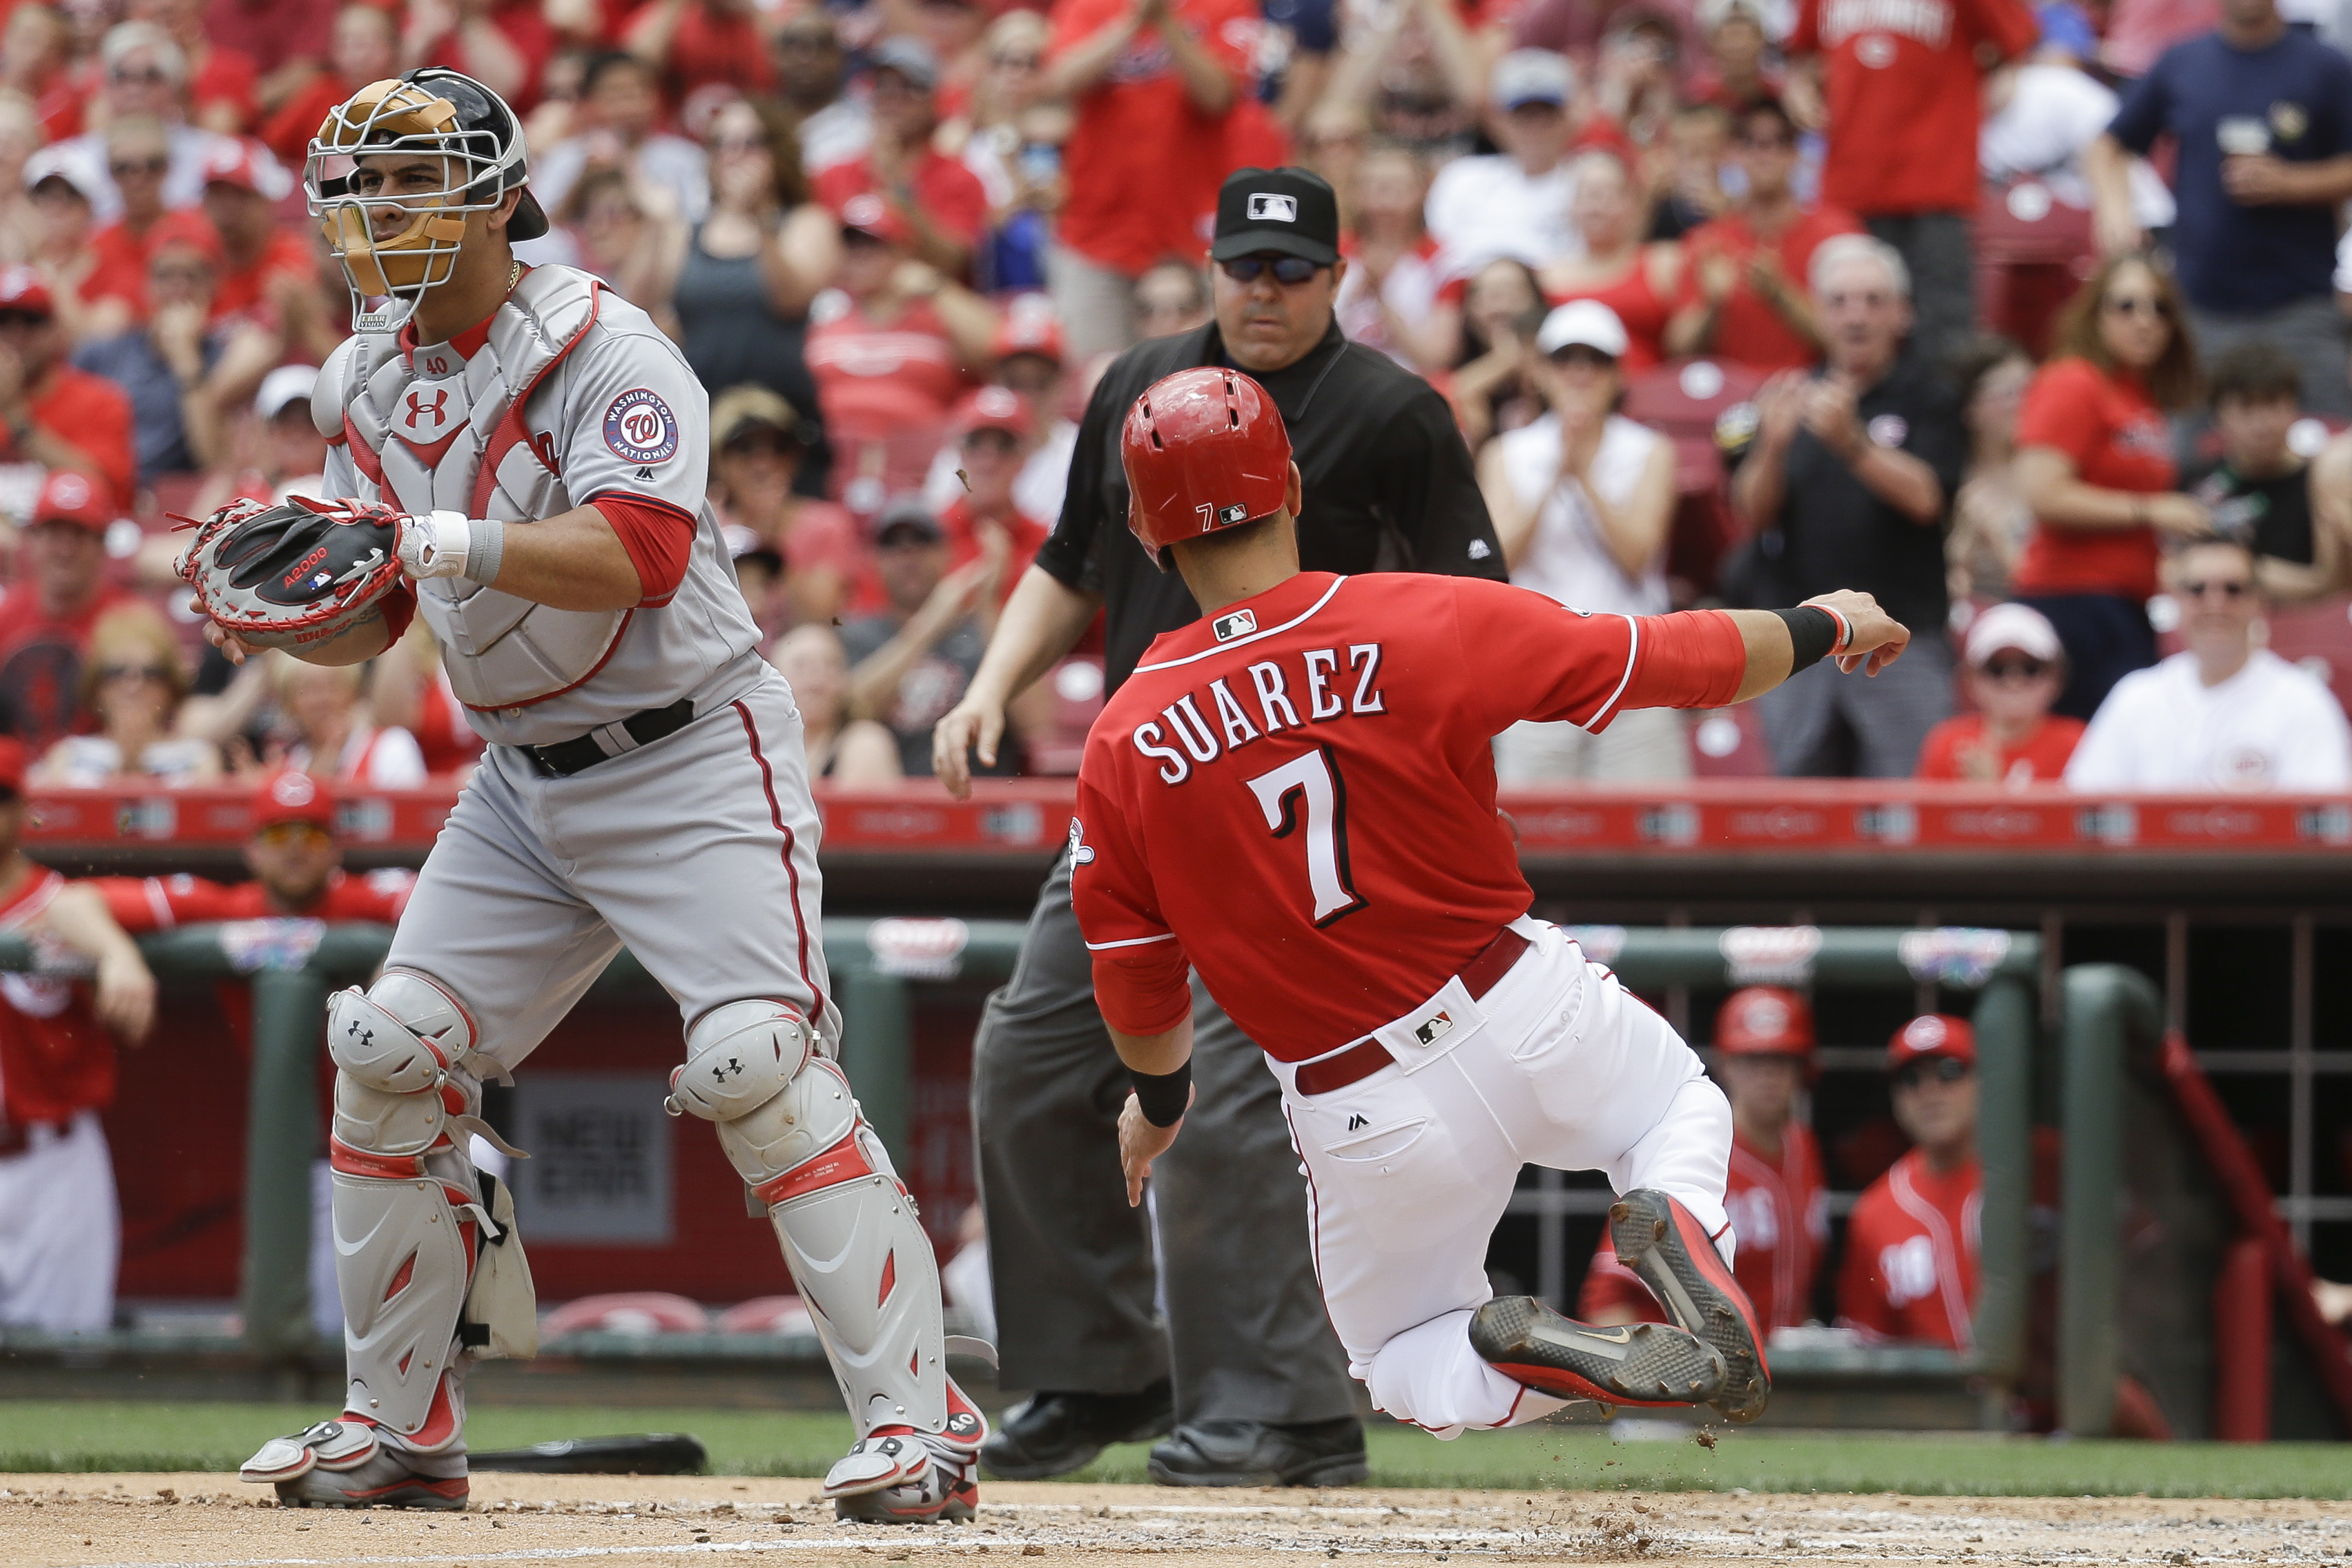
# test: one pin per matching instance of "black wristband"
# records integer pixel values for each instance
(1812, 632)
(1163, 1096)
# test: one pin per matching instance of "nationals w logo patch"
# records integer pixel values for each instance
(640, 428)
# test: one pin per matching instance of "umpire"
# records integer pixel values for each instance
(1260, 1392)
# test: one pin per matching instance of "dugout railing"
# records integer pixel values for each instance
(877, 963)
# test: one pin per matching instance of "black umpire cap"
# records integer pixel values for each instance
(1288, 211)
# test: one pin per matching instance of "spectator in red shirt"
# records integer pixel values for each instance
(51, 413)
(47, 617)
(1904, 102)
(1744, 294)
(2095, 462)
(1153, 82)
(892, 346)
(502, 44)
(221, 78)
(115, 290)
(286, 39)
(1636, 281)
(265, 268)
(758, 443)
(2015, 670)
(694, 43)
(365, 47)
(1774, 1192)
(57, 1073)
(1910, 1270)
(33, 53)
(940, 199)
(994, 433)
(297, 862)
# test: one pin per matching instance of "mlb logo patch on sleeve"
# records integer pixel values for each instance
(640, 428)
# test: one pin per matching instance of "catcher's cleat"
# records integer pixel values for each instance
(1658, 1239)
(341, 1464)
(897, 1476)
(1629, 1364)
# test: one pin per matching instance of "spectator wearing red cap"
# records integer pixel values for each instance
(2016, 669)
(115, 290)
(1154, 84)
(269, 272)
(1775, 1195)
(52, 412)
(47, 619)
(170, 364)
(1027, 355)
(892, 346)
(64, 1234)
(296, 861)
(938, 198)
(364, 47)
(1901, 89)
(911, 662)
(695, 44)
(133, 678)
(993, 434)
(1910, 1270)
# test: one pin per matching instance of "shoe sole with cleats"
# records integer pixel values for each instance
(1660, 1241)
(1629, 1364)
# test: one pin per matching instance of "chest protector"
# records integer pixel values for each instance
(432, 431)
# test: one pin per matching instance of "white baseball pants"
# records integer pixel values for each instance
(60, 1231)
(1409, 1169)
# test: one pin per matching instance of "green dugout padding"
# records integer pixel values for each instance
(874, 964)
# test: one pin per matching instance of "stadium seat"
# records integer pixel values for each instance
(627, 1311)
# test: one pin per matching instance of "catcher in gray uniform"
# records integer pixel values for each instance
(529, 450)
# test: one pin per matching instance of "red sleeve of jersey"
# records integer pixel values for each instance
(1862, 1300)
(1693, 658)
(161, 903)
(1523, 656)
(658, 538)
(128, 900)
(2009, 26)
(1142, 977)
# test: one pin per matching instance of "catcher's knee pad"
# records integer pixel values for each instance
(788, 1122)
(425, 1254)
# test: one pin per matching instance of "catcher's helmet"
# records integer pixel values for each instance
(1204, 450)
(1764, 1020)
(433, 110)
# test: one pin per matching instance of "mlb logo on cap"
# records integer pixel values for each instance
(1265, 207)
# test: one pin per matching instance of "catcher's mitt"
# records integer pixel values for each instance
(298, 574)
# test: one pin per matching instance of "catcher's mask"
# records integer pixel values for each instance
(434, 112)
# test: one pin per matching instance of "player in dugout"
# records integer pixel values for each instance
(1778, 1202)
(1295, 795)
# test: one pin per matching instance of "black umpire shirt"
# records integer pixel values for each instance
(1389, 485)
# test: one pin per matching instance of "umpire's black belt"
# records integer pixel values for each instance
(606, 741)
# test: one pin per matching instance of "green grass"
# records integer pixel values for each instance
(102, 1436)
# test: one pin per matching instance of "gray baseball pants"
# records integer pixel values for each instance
(1245, 1336)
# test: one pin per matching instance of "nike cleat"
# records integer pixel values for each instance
(1660, 1241)
(1628, 1364)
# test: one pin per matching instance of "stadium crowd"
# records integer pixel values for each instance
(2025, 319)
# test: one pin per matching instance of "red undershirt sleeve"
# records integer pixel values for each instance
(658, 536)
(1693, 658)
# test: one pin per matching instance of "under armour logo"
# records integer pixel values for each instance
(419, 409)
(1357, 1121)
(366, 1037)
(733, 1065)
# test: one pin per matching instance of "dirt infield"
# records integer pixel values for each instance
(212, 1522)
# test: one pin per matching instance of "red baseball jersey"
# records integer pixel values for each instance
(159, 903)
(55, 1059)
(1780, 1211)
(1296, 794)
(1910, 1269)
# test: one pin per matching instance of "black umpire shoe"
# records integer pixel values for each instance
(1261, 1454)
(1052, 1434)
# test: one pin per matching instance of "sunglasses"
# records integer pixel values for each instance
(1015, 62)
(2229, 588)
(1290, 271)
(150, 76)
(813, 43)
(1942, 1069)
(2137, 305)
(121, 167)
(155, 673)
(10, 795)
(1769, 144)
(24, 319)
(2015, 669)
(285, 833)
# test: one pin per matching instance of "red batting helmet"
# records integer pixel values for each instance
(1764, 1021)
(1204, 450)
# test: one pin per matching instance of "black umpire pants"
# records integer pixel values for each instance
(1245, 1336)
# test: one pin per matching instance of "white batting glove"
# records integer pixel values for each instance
(434, 545)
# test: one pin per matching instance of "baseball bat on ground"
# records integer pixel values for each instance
(635, 1453)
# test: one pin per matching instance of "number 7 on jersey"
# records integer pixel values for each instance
(1308, 786)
